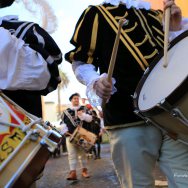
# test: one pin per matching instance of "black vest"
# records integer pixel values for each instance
(75, 118)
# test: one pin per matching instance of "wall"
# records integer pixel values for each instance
(50, 113)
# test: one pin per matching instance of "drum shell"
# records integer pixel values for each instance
(30, 173)
(54, 138)
(22, 167)
(81, 133)
(171, 123)
(34, 169)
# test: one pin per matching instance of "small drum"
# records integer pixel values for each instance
(83, 138)
(25, 145)
(161, 96)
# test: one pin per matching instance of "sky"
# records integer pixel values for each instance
(67, 12)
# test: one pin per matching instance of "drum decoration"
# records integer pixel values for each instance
(25, 145)
(83, 138)
(10, 136)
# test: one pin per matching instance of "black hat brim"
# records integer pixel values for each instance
(75, 94)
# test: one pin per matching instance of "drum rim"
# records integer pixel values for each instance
(179, 92)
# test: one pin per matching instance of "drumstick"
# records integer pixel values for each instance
(166, 32)
(114, 54)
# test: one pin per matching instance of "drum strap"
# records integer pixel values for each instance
(70, 118)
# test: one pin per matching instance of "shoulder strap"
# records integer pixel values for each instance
(70, 118)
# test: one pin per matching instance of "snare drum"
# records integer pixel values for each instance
(161, 96)
(83, 138)
(25, 145)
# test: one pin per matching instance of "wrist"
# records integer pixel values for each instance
(176, 28)
(95, 85)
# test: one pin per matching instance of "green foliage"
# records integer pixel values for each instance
(64, 79)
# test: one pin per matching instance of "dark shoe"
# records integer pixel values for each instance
(72, 175)
(85, 173)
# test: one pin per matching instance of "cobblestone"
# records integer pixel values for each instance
(101, 171)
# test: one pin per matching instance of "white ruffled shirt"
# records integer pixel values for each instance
(83, 116)
(87, 74)
(138, 4)
(21, 67)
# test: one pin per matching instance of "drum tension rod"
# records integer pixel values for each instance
(35, 135)
(174, 112)
(151, 122)
(177, 113)
(163, 104)
(146, 119)
(138, 113)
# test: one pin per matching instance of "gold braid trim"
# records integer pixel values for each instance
(93, 40)
(157, 18)
(160, 39)
(121, 17)
(113, 23)
(112, 7)
(143, 26)
(71, 57)
(78, 28)
(150, 31)
(151, 55)
(158, 31)
(131, 29)
(140, 43)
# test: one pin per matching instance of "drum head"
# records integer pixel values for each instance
(158, 83)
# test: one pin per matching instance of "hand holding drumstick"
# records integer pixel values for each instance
(172, 20)
(104, 85)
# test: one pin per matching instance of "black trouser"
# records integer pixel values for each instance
(63, 143)
(28, 100)
(98, 152)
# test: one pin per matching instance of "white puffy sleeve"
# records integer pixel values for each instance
(87, 75)
(20, 66)
(85, 117)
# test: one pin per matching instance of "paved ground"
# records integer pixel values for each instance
(103, 175)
